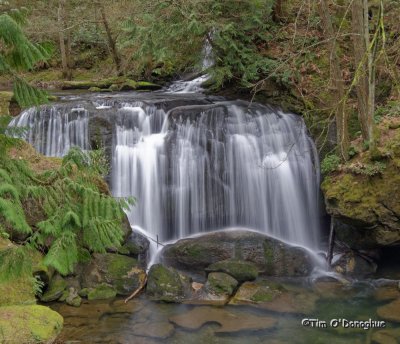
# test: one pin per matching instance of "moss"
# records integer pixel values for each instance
(17, 291)
(29, 324)
(368, 203)
(164, 284)
(221, 283)
(268, 255)
(101, 292)
(5, 99)
(240, 270)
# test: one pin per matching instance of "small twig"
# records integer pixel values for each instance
(137, 291)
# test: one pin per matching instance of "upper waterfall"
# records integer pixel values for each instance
(194, 164)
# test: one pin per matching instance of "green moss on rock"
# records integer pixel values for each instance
(101, 292)
(220, 283)
(5, 99)
(29, 324)
(121, 272)
(366, 208)
(165, 284)
(241, 270)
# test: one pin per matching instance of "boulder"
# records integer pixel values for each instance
(101, 292)
(137, 246)
(353, 264)
(29, 324)
(270, 256)
(242, 271)
(275, 297)
(219, 283)
(166, 284)
(119, 271)
(366, 209)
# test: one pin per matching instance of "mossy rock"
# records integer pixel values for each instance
(366, 209)
(271, 257)
(121, 272)
(5, 100)
(220, 283)
(18, 290)
(165, 284)
(29, 324)
(55, 290)
(275, 297)
(102, 292)
(240, 270)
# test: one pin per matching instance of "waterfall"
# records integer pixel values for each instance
(54, 130)
(196, 168)
(194, 85)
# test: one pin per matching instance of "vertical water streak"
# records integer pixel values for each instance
(53, 130)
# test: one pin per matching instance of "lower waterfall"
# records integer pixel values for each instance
(194, 164)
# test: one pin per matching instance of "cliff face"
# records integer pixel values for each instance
(363, 196)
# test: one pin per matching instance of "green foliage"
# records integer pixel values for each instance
(330, 163)
(76, 217)
(367, 169)
(18, 54)
(172, 36)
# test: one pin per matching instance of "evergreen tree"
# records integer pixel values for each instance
(17, 54)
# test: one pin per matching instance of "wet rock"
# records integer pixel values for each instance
(391, 311)
(353, 264)
(73, 299)
(159, 330)
(55, 289)
(166, 284)
(29, 324)
(101, 292)
(271, 257)
(242, 271)
(230, 321)
(220, 283)
(332, 289)
(137, 246)
(119, 271)
(275, 297)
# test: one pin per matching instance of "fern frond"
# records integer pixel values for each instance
(63, 253)
(14, 215)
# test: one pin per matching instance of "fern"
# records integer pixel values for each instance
(63, 253)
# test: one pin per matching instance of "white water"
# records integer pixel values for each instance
(54, 130)
(198, 168)
(228, 167)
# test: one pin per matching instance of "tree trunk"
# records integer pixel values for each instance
(360, 44)
(111, 41)
(278, 11)
(342, 135)
(66, 72)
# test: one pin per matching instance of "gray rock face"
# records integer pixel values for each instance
(136, 245)
(270, 256)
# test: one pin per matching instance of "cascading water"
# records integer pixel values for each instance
(54, 130)
(194, 168)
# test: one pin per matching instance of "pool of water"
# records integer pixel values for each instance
(144, 321)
